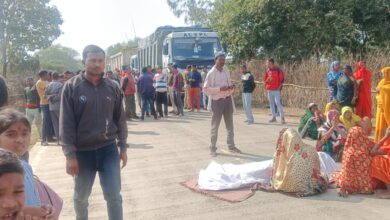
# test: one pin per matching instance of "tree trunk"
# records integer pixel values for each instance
(4, 61)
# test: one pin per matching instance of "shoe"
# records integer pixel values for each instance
(250, 122)
(147, 115)
(213, 153)
(135, 117)
(246, 121)
(234, 150)
(142, 118)
(272, 120)
(198, 110)
(44, 143)
(283, 121)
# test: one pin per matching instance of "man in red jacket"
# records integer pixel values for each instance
(273, 80)
(128, 89)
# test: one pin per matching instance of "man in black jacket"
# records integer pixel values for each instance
(93, 134)
(248, 86)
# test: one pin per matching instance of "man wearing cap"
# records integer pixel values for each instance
(219, 88)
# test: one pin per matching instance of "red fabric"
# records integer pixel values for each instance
(193, 93)
(354, 176)
(130, 88)
(31, 105)
(363, 104)
(277, 78)
(380, 165)
(380, 169)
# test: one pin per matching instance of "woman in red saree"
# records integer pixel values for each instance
(363, 103)
(354, 177)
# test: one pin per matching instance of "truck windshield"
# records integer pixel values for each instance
(195, 48)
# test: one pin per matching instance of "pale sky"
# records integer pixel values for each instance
(106, 22)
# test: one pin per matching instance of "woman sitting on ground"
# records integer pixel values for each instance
(311, 121)
(332, 135)
(333, 105)
(296, 166)
(354, 177)
(359, 168)
(350, 119)
(380, 165)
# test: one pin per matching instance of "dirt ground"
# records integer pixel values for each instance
(166, 152)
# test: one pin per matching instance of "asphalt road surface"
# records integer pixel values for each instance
(166, 152)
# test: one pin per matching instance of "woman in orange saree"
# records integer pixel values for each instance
(383, 105)
(363, 104)
(354, 177)
(380, 165)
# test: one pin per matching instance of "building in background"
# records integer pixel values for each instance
(121, 60)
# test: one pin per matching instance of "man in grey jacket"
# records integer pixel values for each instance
(53, 95)
(92, 124)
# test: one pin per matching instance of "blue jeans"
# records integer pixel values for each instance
(205, 99)
(247, 104)
(147, 101)
(201, 99)
(275, 99)
(47, 125)
(106, 162)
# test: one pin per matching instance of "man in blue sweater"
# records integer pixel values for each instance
(146, 89)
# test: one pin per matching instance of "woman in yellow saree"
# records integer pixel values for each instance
(383, 105)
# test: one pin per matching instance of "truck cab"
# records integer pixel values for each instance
(191, 47)
(180, 45)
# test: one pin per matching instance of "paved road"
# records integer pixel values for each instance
(169, 151)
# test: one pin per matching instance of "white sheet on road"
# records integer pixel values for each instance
(328, 166)
(231, 176)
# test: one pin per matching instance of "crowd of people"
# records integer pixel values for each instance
(153, 89)
(343, 130)
(86, 113)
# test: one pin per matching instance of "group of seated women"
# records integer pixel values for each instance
(331, 129)
(365, 163)
(345, 137)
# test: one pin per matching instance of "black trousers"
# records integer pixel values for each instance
(162, 99)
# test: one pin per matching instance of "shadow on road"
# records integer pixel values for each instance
(144, 133)
(332, 195)
(140, 146)
(277, 124)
